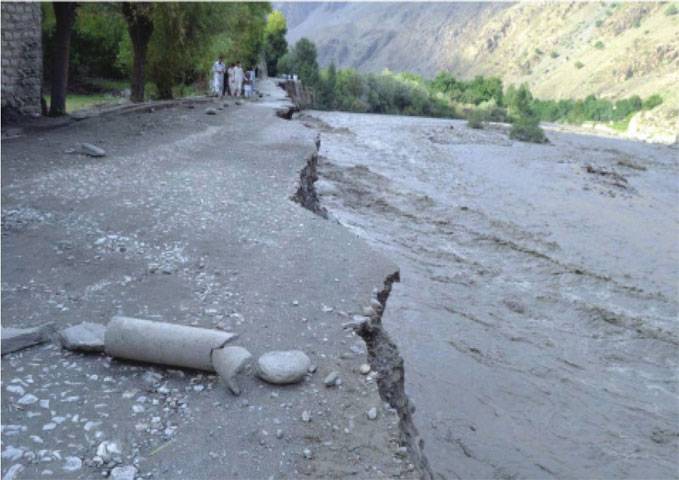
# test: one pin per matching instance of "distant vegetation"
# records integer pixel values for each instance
(480, 100)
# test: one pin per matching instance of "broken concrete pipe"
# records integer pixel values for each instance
(164, 343)
(229, 362)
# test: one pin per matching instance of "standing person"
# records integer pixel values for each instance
(239, 76)
(218, 70)
(253, 77)
(232, 80)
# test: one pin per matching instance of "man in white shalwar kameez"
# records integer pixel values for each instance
(218, 70)
(238, 77)
(231, 81)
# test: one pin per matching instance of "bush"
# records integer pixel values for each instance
(599, 44)
(652, 102)
(671, 10)
(476, 119)
(599, 23)
(527, 129)
(554, 54)
(579, 64)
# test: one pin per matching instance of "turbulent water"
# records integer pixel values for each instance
(538, 306)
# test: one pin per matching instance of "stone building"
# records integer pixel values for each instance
(21, 58)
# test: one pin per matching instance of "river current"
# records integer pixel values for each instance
(538, 306)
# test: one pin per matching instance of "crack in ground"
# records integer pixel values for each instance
(383, 354)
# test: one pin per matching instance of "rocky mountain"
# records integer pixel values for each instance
(560, 49)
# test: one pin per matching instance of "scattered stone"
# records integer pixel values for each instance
(18, 389)
(312, 369)
(326, 309)
(307, 454)
(372, 413)
(28, 399)
(14, 339)
(283, 367)
(72, 464)
(12, 454)
(128, 472)
(108, 451)
(90, 150)
(13, 472)
(279, 434)
(211, 111)
(306, 416)
(86, 336)
(364, 369)
(332, 379)
(229, 362)
(152, 378)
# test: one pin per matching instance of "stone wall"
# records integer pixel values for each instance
(21, 58)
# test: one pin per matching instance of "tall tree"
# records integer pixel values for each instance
(64, 13)
(140, 25)
(275, 44)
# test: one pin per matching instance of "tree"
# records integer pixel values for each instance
(275, 44)
(64, 13)
(327, 93)
(140, 27)
(304, 62)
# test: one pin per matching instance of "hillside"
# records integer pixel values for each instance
(562, 50)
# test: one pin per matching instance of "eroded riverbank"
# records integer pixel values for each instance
(537, 309)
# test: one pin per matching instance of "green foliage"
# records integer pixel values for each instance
(652, 102)
(327, 88)
(599, 23)
(579, 64)
(527, 130)
(386, 93)
(275, 44)
(599, 45)
(538, 52)
(95, 38)
(301, 60)
(480, 89)
(554, 54)
(186, 40)
(671, 10)
(476, 119)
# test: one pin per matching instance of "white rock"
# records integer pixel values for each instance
(332, 379)
(72, 464)
(13, 472)
(18, 389)
(372, 413)
(12, 454)
(307, 453)
(283, 367)
(86, 336)
(211, 111)
(279, 434)
(127, 472)
(364, 369)
(306, 416)
(107, 450)
(28, 399)
(91, 150)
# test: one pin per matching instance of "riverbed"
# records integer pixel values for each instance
(537, 311)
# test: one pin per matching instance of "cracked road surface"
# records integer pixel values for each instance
(188, 219)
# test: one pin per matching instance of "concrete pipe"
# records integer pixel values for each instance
(163, 343)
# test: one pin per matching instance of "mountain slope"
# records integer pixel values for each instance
(527, 42)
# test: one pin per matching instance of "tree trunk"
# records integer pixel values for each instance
(64, 12)
(140, 27)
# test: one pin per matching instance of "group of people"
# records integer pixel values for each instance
(232, 80)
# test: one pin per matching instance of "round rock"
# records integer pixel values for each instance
(283, 367)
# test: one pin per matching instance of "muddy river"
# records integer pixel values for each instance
(538, 306)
